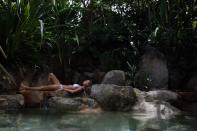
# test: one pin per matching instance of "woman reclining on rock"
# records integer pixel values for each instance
(57, 86)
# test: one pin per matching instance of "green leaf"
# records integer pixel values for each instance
(27, 10)
(194, 24)
(76, 38)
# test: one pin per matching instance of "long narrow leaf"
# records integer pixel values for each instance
(41, 29)
(8, 74)
(3, 53)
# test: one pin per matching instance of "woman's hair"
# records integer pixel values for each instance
(87, 86)
(89, 82)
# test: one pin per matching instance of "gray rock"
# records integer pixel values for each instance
(11, 102)
(116, 77)
(71, 104)
(113, 97)
(153, 71)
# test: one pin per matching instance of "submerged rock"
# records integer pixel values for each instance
(113, 97)
(11, 102)
(116, 77)
(155, 106)
(163, 95)
(6, 121)
(71, 104)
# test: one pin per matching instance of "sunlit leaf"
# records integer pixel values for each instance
(27, 10)
(194, 24)
(41, 29)
(77, 38)
(54, 2)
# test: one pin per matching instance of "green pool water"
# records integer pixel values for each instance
(41, 120)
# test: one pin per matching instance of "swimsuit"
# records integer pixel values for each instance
(61, 87)
(76, 85)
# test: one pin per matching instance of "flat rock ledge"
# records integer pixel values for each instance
(64, 104)
(11, 102)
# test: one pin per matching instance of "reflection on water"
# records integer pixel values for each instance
(34, 120)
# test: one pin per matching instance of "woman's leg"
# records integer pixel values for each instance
(40, 88)
(53, 79)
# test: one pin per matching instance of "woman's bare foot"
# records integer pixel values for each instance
(23, 87)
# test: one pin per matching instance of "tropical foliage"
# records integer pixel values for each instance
(113, 32)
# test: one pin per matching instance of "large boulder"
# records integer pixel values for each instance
(153, 71)
(11, 102)
(116, 77)
(64, 104)
(113, 97)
